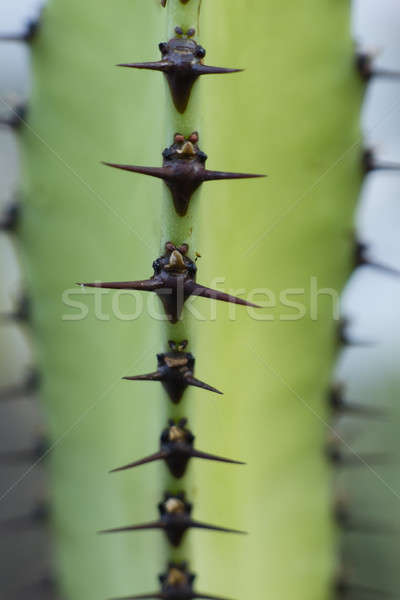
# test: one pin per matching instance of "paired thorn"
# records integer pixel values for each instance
(175, 520)
(183, 170)
(370, 163)
(176, 584)
(174, 281)
(361, 259)
(29, 386)
(176, 448)
(17, 117)
(38, 517)
(339, 405)
(10, 218)
(182, 64)
(365, 66)
(39, 449)
(175, 372)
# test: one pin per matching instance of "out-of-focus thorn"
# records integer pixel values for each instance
(370, 163)
(17, 117)
(345, 340)
(10, 218)
(29, 386)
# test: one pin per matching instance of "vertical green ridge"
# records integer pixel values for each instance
(178, 230)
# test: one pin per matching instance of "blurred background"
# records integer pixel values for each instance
(370, 372)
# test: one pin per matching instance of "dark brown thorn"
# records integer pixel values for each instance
(370, 163)
(161, 455)
(199, 69)
(205, 292)
(151, 525)
(361, 259)
(159, 65)
(206, 456)
(200, 384)
(364, 65)
(159, 172)
(218, 175)
(156, 376)
(10, 218)
(147, 285)
(200, 525)
(29, 386)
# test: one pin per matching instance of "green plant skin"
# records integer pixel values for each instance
(293, 113)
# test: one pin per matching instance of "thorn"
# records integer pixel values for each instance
(345, 340)
(181, 64)
(151, 458)
(39, 449)
(175, 372)
(174, 520)
(361, 259)
(339, 405)
(365, 67)
(22, 311)
(29, 386)
(350, 524)
(176, 449)
(340, 460)
(343, 588)
(36, 518)
(10, 219)
(174, 281)
(369, 163)
(205, 292)
(28, 35)
(18, 116)
(176, 584)
(183, 170)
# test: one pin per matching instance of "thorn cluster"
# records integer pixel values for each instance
(174, 281)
